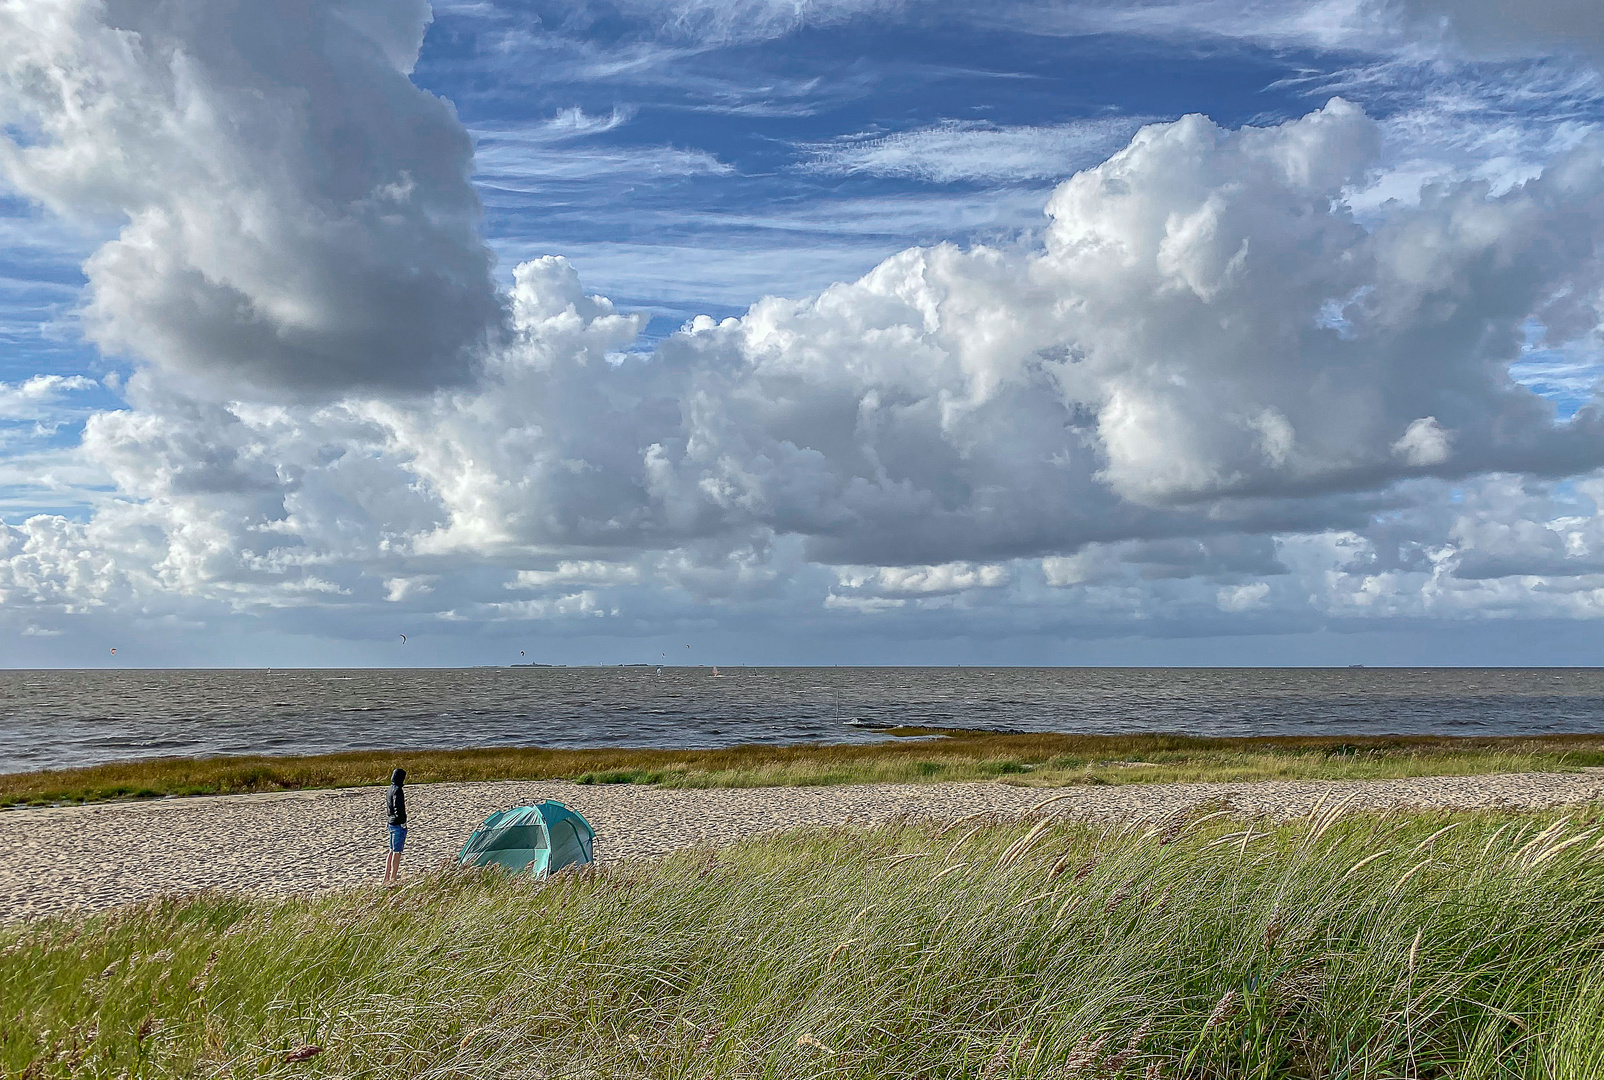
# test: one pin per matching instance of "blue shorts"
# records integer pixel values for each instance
(398, 837)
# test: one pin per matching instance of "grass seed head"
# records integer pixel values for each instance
(1118, 897)
(1274, 930)
(809, 1041)
(1224, 1009)
(1086, 1058)
(1132, 1045)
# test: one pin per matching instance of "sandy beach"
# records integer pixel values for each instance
(63, 859)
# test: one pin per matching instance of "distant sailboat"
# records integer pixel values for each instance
(716, 675)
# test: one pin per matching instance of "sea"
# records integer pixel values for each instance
(56, 719)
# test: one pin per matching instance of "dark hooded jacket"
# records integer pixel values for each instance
(395, 800)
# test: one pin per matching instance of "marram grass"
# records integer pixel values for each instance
(1465, 946)
(1036, 759)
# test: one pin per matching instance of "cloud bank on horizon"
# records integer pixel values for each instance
(1332, 368)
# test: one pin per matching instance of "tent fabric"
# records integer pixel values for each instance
(541, 839)
(568, 844)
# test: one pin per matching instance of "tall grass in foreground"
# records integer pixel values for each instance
(1392, 946)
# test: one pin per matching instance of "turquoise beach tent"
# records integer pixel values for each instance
(541, 839)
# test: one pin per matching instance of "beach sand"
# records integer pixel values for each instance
(81, 858)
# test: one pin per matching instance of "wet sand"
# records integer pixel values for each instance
(64, 859)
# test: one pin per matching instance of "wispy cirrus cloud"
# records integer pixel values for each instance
(517, 165)
(572, 123)
(524, 156)
(695, 22)
(681, 262)
(973, 151)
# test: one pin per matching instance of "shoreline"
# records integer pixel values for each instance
(61, 860)
(905, 754)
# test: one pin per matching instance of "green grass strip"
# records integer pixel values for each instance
(1042, 760)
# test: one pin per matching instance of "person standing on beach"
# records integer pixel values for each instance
(395, 802)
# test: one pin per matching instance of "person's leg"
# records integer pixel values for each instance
(391, 858)
(392, 863)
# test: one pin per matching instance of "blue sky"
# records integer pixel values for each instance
(692, 176)
(232, 434)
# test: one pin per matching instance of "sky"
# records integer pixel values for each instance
(801, 331)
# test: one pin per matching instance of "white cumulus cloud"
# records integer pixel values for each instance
(1423, 442)
(1209, 372)
(33, 398)
(1243, 597)
(293, 214)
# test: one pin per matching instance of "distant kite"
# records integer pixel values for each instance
(520, 652)
(403, 639)
(114, 652)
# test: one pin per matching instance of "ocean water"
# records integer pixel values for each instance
(51, 719)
